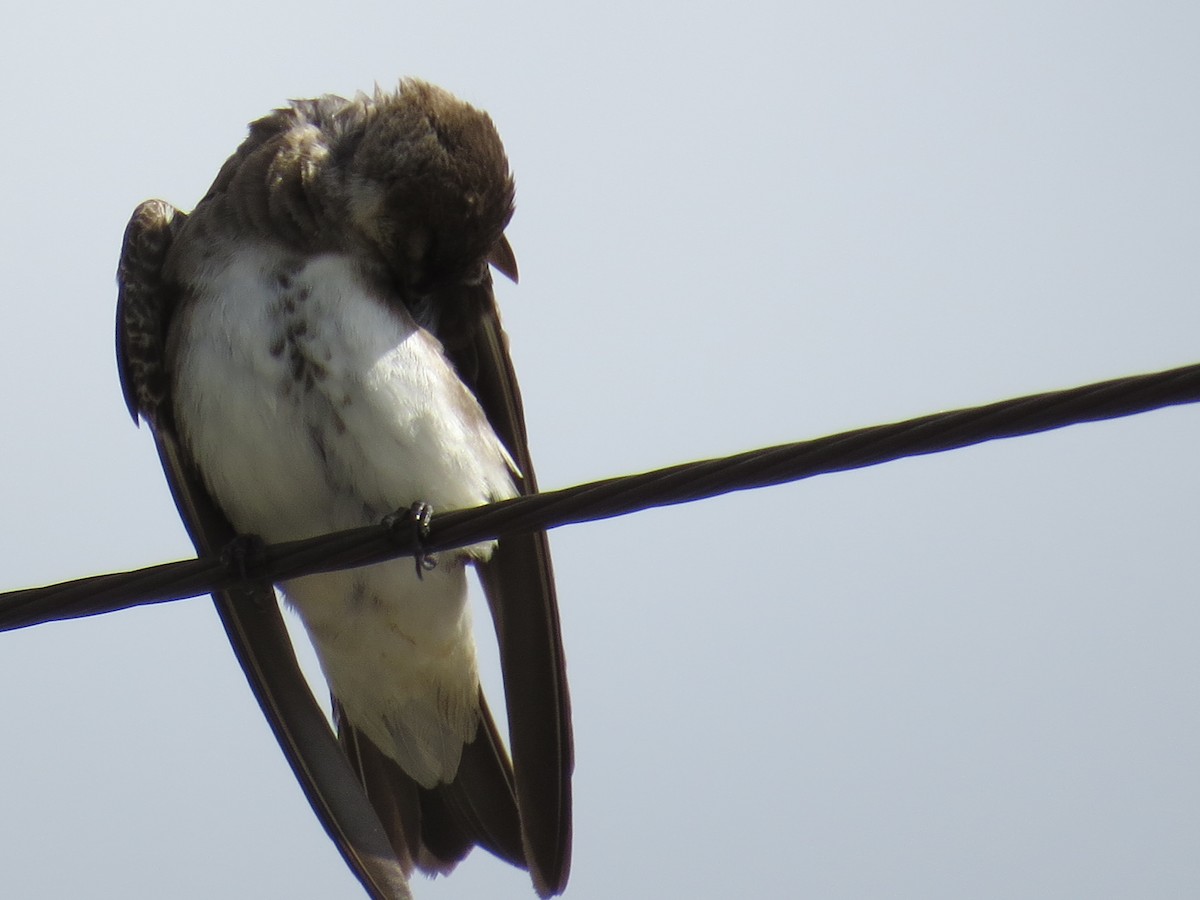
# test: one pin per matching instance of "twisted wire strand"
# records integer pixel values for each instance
(607, 498)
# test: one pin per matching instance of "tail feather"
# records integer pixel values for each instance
(434, 829)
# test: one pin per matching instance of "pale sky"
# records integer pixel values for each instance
(967, 675)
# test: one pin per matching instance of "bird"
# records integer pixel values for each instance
(316, 346)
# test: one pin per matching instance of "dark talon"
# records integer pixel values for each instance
(418, 517)
(241, 556)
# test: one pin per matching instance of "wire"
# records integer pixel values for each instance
(605, 499)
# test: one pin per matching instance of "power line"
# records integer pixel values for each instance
(605, 499)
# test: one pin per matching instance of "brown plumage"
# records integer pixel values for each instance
(412, 189)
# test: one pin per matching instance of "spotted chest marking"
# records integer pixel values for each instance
(296, 342)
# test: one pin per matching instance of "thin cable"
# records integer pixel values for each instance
(610, 497)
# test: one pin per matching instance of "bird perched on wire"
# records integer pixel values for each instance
(316, 346)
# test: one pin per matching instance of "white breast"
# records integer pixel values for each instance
(311, 405)
(308, 400)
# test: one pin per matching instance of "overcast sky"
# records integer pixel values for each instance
(966, 675)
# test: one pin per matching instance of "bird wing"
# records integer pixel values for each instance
(251, 617)
(519, 585)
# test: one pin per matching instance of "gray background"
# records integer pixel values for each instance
(967, 675)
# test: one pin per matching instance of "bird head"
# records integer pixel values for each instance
(428, 185)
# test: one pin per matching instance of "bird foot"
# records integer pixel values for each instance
(417, 517)
(242, 556)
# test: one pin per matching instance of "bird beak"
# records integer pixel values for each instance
(503, 260)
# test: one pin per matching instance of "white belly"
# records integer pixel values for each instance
(310, 406)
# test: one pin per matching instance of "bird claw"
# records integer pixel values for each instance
(416, 517)
(243, 553)
(241, 556)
